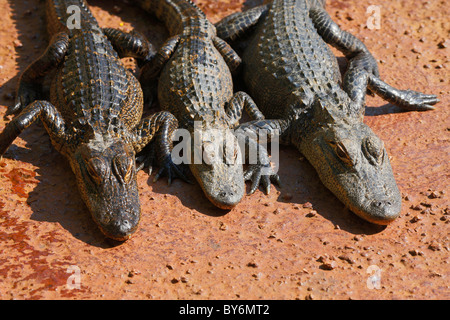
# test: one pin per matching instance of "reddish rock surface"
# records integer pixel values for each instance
(298, 242)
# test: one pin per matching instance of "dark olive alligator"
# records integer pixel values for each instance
(94, 113)
(195, 84)
(293, 76)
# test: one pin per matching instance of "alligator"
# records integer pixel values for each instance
(93, 114)
(192, 74)
(294, 78)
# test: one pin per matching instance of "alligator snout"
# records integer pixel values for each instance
(121, 230)
(227, 198)
(384, 211)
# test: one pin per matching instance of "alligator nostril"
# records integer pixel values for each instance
(223, 194)
(124, 226)
(380, 204)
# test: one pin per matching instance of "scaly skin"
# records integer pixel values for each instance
(294, 78)
(195, 84)
(94, 114)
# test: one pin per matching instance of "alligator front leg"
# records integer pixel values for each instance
(151, 70)
(251, 134)
(131, 44)
(29, 86)
(159, 128)
(242, 101)
(50, 117)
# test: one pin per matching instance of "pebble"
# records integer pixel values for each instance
(17, 44)
(309, 297)
(435, 246)
(426, 204)
(434, 195)
(444, 44)
(347, 258)
(184, 279)
(223, 226)
(307, 205)
(327, 263)
(415, 252)
(417, 207)
(310, 214)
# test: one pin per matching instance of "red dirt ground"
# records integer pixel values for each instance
(298, 242)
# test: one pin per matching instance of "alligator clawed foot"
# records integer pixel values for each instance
(260, 174)
(146, 159)
(172, 170)
(417, 101)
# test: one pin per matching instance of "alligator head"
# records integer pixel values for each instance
(352, 162)
(217, 166)
(106, 176)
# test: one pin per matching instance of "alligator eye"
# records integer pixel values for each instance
(123, 167)
(209, 155)
(231, 154)
(373, 149)
(96, 169)
(341, 152)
